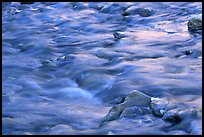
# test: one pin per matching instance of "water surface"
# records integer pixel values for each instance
(62, 67)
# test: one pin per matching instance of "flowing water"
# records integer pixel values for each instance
(63, 68)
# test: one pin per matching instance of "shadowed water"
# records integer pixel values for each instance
(63, 67)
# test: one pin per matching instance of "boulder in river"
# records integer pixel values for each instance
(195, 23)
(131, 112)
(135, 98)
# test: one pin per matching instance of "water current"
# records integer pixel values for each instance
(64, 64)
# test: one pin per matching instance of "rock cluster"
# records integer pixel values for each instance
(136, 103)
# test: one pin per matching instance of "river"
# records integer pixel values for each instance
(65, 63)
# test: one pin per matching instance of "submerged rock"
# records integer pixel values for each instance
(79, 6)
(61, 129)
(195, 23)
(113, 9)
(146, 12)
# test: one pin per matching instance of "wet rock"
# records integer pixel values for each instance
(113, 9)
(160, 106)
(146, 12)
(178, 115)
(137, 98)
(119, 35)
(114, 113)
(195, 23)
(185, 120)
(134, 10)
(172, 116)
(188, 52)
(134, 111)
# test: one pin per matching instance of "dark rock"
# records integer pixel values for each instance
(188, 52)
(172, 116)
(119, 35)
(195, 23)
(160, 106)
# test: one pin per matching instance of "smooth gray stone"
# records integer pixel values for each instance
(137, 98)
(134, 111)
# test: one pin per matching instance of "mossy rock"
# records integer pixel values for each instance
(195, 23)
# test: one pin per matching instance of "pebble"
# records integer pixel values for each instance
(119, 35)
(188, 52)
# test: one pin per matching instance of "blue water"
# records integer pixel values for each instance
(62, 67)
